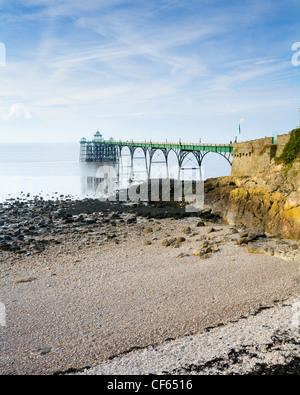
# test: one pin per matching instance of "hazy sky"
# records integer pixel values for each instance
(159, 69)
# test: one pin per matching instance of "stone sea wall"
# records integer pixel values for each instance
(250, 157)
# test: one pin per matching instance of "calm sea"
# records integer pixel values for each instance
(52, 170)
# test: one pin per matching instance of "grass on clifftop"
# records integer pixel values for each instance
(292, 148)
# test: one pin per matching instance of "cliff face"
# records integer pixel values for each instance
(269, 200)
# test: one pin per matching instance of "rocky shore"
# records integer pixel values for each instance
(29, 227)
(85, 282)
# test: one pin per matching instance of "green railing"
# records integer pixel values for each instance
(174, 146)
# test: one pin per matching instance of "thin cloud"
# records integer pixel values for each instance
(204, 62)
(16, 111)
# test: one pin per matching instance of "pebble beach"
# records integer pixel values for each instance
(120, 291)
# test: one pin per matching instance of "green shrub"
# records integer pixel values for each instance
(292, 148)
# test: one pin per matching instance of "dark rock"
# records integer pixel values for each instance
(187, 230)
(131, 220)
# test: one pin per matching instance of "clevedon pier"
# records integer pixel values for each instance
(149, 154)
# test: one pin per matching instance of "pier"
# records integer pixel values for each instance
(100, 150)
